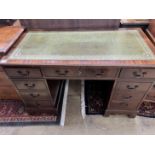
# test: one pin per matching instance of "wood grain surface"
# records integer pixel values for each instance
(152, 26)
(72, 24)
(8, 36)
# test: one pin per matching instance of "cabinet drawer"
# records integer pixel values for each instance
(132, 86)
(8, 93)
(61, 71)
(123, 105)
(30, 84)
(137, 73)
(35, 95)
(20, 72)
(99, 72)
(128, 96)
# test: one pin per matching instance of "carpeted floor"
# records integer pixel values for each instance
(147, 109)
(14, 112)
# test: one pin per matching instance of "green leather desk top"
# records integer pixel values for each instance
(83, 45)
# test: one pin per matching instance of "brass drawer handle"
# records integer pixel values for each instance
(130, 87)
(25, 73)
(35, 95)
(62, 73)
(30, 85)
(100, 73)
(138, 75)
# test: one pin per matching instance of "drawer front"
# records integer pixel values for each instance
(37, 95)
(8, 93)
(61, 71)
(137, 73)
(132, 86)
(38, 104)
(123, 105)
(30, 84)
(99, 72)
(4, 81)
(128, 96)
(23, 72)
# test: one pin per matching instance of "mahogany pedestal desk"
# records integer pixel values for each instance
(121, 62)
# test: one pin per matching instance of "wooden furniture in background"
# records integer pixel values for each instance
(134, 23)
(150, 31)
(151, 27)
(72, 24)
(8, 36)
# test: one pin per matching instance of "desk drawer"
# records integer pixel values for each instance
(61, 71)
(99, 72)
(132, 86)
(123, 105)
(30, 84)
(20, 72)
(35, 95)
(128, 96)
(137, 73)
